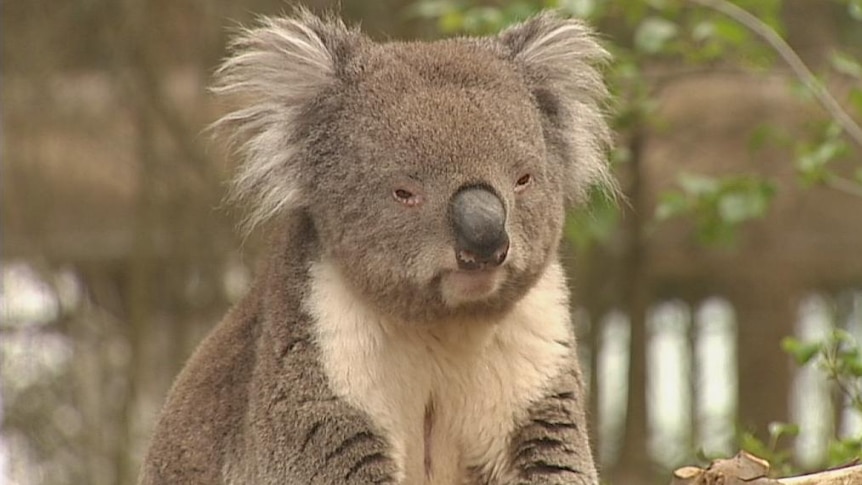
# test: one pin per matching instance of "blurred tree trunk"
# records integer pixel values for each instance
(172, 275)
(766, 313)
(634, 465)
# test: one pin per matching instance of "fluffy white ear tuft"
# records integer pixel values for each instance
(561, 60)
(275, 69)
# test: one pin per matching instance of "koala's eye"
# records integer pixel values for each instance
(523, 182)
(406, 197)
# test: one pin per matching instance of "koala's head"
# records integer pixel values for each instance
(436, 175)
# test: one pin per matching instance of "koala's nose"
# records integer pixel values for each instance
(479, 221)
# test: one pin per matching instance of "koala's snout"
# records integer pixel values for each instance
(479, 222)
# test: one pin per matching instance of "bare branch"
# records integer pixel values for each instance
(765, 32)
(847, 186)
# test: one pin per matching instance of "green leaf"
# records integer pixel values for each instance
(752, 444)
(483, 20)
(738, 207)
(653, 34)
(719, 205)
(846, 65)
(698, 184)
(451, 22)
(658, 4)
(811, 164)
(430, 9)
(730, 32)
(744, 198)
(856, 99)
(841, 336)
(578, 8)
(844, 451)
(703, 31)
(778, 429)
(854, 366)
(802, 353)
(672, 204)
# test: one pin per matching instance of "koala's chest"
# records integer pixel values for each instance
(448, 400)
(450, 407)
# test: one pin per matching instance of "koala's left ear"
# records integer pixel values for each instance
(560, 59)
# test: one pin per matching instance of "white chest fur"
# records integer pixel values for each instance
(477, 377)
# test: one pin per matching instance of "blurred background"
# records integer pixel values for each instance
(742, 225)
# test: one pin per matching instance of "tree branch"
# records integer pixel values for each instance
(767, 34)
(844, 185)
(747, 468)
(840, 476)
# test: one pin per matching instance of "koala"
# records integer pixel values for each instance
(409, 323)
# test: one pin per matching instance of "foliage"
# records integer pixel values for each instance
(719, 205)
(689, 34)
(839, 358)
(773, 451)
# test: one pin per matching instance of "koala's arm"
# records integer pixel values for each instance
(552, 446)
(252, 407)
(319, 439)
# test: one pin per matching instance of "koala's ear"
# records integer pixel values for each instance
(561, 61)
(276, 69)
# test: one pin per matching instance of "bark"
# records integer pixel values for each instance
(747, 469)
(765, 315)
(634, 464)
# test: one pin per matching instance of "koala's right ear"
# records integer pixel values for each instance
(276, 69)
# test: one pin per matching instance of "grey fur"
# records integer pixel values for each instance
(331, 125)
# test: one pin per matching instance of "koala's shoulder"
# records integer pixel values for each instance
(206, 403)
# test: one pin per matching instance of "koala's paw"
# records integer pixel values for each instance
(375, 468)
(545, 474)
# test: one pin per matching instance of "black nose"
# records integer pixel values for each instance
(479, 222)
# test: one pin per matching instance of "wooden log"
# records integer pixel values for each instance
(747, 469)
(851, 475)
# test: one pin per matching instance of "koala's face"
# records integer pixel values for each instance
(435, 174)
(434, 189)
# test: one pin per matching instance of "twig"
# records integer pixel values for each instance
(844, 185)
(762, 30)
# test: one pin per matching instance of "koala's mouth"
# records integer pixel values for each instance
(463, 286)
